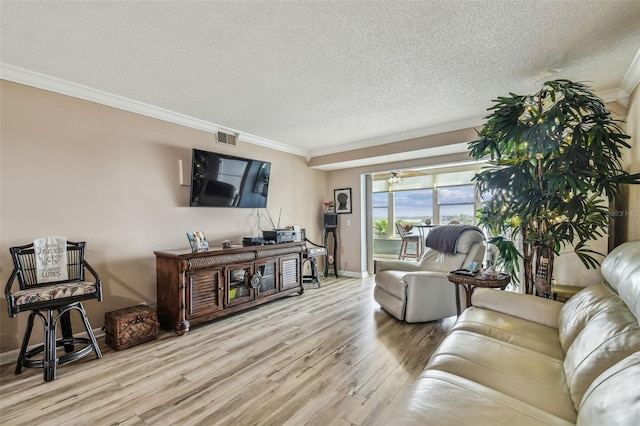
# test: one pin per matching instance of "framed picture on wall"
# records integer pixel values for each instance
(342, 200)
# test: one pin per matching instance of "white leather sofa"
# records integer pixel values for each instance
(514, 359)
(420, 291)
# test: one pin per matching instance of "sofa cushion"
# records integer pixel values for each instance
(531, 377)
(433, 260)
(607, 338)
(468, 239)
(441, 398)
(609, 398)
(517, 331)
(621, 269)
(526, 306)
(53, 292)
(578, 310)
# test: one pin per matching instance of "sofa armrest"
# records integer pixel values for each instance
(525, 306)
(396, 265)
(429, 276)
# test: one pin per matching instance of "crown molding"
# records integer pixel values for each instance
(631, 77)
(397, 137)
(53, 84)
(64, 87)
(615, 95)
(268, 143)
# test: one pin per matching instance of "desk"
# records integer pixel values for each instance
(469, 283)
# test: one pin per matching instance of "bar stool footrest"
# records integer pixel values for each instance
(28, 362)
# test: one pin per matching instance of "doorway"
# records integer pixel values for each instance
(413, 197)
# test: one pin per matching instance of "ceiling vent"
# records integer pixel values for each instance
(226, 138)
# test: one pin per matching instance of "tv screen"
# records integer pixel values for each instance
(220, 180)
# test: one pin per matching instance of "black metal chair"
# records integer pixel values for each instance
(310, 255)
(42, 299)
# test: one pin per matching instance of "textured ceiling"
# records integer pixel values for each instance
(323, 76)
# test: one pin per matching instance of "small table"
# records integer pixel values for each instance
(469, 283)
(423, 231)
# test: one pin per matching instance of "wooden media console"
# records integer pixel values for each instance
(196, 287)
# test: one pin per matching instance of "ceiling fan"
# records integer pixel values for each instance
(394, 178)
(397, 176)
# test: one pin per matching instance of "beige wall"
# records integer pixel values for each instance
(632, 165)
(109, 177)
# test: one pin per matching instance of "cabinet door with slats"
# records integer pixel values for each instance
(204, 290)
(290, 272)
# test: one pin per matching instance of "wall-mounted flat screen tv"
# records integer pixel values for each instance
(220, 180)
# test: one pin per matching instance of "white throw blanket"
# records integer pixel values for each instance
(51, 259)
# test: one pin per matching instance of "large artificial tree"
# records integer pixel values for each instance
(554, 167)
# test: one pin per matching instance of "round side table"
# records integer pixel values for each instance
(469, 283)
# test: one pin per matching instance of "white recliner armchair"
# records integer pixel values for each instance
(420, 291)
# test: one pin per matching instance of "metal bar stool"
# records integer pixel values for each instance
(406, 240)
(310, 255)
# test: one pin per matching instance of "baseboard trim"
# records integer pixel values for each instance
(351, 274)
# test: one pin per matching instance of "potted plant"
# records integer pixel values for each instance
(554, 168)
(381, 227)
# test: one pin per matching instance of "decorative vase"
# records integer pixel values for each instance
(328, 207)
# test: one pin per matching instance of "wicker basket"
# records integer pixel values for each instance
(131, 326)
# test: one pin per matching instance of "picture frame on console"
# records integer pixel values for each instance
(198, 241)
(342, 200)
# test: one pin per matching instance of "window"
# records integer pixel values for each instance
(439, 197)
(456, 203)
(380, 213)
(410, 206)
(413, 206)
(420, 195)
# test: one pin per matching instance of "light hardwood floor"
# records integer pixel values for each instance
(328, 357)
